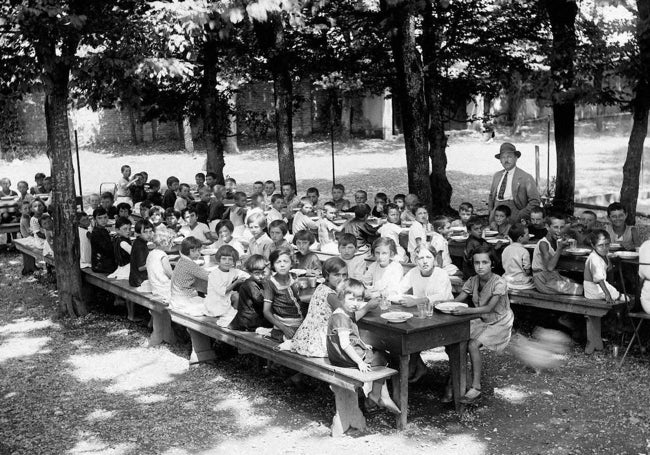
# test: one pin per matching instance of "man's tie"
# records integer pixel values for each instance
(502, 188)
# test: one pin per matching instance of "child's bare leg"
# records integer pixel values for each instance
(130, 311)
(417, 368)
(381, 396)
(475, 356)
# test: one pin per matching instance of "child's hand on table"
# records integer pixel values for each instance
(461, 311)
(407, 301)
(364, 367)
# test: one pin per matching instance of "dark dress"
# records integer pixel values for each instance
(155, 198)
(103, 254)
(139, 253)
(335, 353)
(250, 307)
(169, 199)
(217, 210)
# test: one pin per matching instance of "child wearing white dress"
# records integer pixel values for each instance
(391, 230)
(516, 260)
(159, 272)
(596, 268)
(384, 275)
(441, 230)
(221, 299)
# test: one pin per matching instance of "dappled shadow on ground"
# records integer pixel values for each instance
(99, 390)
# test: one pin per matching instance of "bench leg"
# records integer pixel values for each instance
(201, 348)
(594, 338)
(162, 328)
(348, 413)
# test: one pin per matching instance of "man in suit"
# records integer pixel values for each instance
(512, 186)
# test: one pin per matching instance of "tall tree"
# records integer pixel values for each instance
(640, 110)
(562, 15)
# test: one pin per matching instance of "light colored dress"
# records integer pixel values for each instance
(435, 287)
(493, 329)
(217, 301)
(439, 243)
(550, 281)
(596, 271)
(384, 279)
(311, 337)
(516, 263)
(158, 280)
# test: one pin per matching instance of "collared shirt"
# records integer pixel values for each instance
(507, 195)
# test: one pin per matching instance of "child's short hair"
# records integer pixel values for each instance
(227, 251)
(289, 184)
(538, 210)
(231, 180)
(330, 205)
(121, 221)
(39, 176)
(99, 211)
(77, 216)
(190, 209)
(171, 180)
(313, 190)
(338, 186)
(107, 195)
(169, 211)
(26, 203)
(412, 198)
(276, 197)
(362, 192)
(154, 183)
(503, 209)
(361, 211)
(211, 174)
(467, 206)
(303, 201)
(439, 222)
(555, 215)
(333, 265)
(590, 212)
(614, 207)
(183, 185)
(125, 166)
(595, 235)
(258, 218)
(141, 225)
(44, 219)
(258, 182)
(391, 206)
(399, 197)
(124, 206)
(384, 241)
(349, 286)
(474, 221)
(347, 239)
(190, 243)
(200, 174)
(303, 235)
(224, 223)
(516, 231)
(239, 195)
(270, 182)
(144, 205)
(144, 175)
(255, 262)
(280, 224)
(485, 249)
(382, 196)
(282, 251)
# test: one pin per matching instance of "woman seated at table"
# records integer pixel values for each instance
(429, 284)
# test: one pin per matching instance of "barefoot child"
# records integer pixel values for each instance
(345, 348)
(489, 295)
(598, 264)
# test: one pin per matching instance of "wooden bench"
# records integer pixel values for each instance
(344, 382)
(9, 228)
(593, 311)
(26, 247)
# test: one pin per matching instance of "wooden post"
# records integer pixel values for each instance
(537, 165)
(348, 413)
(201, 348)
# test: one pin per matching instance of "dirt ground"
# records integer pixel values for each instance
(91, 386)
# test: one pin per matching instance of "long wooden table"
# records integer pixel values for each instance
(416, 335)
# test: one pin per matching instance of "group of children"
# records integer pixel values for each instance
(270, 233)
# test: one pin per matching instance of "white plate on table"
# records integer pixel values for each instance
(339, 222)
(8, 198)
(615, 246)
(490, 233)
(208, 251)
(627, 254)
(397, 316)
(457, 229)
(530, 246)
(578, 251)
(298, 272)
(495, 241)
(448, 307)
(178, 240)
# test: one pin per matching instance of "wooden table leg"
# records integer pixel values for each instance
(401, 390)
(458, 368)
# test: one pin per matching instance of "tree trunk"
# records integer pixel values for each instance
(271, 36)
(562, 14)
(187, 134)
(641, 108)
(133, 125)
(179, 128)
(346, 116)
(213, 112)
(409, 91)
(515, 101)
(154, 129)
(441, 189)
(66, 236)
